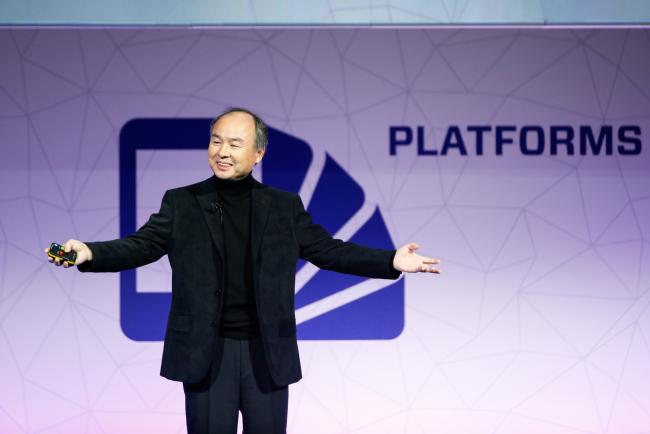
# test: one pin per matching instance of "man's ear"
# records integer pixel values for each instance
(260, 154)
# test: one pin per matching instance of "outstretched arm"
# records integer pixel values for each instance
(318, 247)
(147, 245)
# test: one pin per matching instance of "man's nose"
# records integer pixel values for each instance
(224, 151)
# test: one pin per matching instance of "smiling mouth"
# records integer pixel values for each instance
(223, 165)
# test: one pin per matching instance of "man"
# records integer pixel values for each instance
(233, 244)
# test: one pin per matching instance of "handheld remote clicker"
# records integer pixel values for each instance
(57, 252)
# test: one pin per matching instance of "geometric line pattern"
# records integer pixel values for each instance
(540, 322)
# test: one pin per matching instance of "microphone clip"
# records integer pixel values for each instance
(214, 208)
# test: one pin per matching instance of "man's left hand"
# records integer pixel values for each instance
(408, 261)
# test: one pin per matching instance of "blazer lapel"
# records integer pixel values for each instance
(259, 215)
(260, 203)
(207, 198)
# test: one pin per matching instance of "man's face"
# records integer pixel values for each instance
(232, 152)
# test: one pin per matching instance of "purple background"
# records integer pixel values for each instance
(539, 322)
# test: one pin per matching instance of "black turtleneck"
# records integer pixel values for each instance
(239, 313)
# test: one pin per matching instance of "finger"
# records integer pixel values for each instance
(65, 264)
(431, 261)
(427, 269)
(68, 246)
(51, 259)
(413, 247)
(46, 250)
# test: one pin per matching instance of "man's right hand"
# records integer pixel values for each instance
(83, 253)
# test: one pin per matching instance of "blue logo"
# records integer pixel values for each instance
(371, 313)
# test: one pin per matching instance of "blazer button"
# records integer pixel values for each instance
(213, 324)
(217, 292)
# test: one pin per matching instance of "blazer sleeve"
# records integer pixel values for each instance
(318, 247)
(147, 245)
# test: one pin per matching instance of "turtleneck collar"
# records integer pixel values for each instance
(233, 188)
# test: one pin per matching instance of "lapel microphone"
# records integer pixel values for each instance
(214, 208)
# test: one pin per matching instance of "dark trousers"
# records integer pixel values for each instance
(238, 380)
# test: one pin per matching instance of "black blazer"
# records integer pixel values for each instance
(188, 229)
